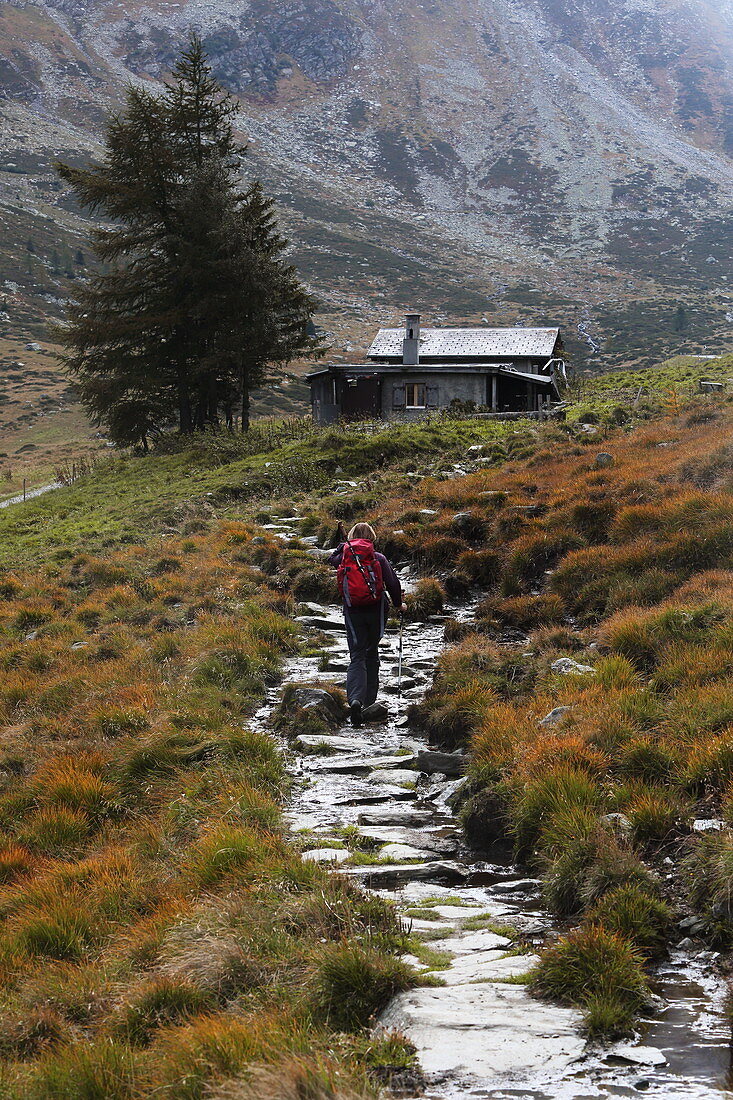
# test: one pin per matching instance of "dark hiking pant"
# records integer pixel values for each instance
(364, 629)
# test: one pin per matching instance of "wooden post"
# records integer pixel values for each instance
(24, 490)
(73, 472)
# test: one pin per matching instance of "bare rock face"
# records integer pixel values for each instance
(251, 52)
(543, 140)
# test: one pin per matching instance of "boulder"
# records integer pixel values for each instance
(436, 842)
(447, 763)
(619, 822)
(375, 712)
(566, 666)
(556, 715)
(603, 460)
(313, 698)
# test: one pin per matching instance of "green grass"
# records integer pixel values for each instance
(127, 495)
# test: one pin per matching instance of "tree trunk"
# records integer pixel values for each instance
(245, 398)
(185, 421)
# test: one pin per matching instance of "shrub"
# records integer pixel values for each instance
(210, 959)
(593, 520)
(37, 1030)
(14, 862)
(314, 583)
(633, 913)
(616, 672)
(295, 1078)
(534, 554)
(226, 852)
(56, 831)
(708, 871)
(73, 786)
(544, 796)
(528, 612)
(649, 760)
(451, 716)
(163, 1001)
(210, 1049)
(598, 971)
(100, 1070)
(655, 814)
(428, 598)
(584, 860)
(436, 551)
(483, 567)
(62, 928)
(353, 983)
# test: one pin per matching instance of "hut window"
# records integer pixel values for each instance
(415, 395)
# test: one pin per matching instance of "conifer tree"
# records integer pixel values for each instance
(197, 297)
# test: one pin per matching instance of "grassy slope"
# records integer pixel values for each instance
(159, 932)
(136, 813)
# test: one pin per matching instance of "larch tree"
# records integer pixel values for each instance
(196, 298)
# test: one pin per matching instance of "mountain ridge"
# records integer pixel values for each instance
(522, 158)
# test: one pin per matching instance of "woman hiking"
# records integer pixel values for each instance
(365, 577)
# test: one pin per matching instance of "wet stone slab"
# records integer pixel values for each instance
(485, 1031)
(436, 871)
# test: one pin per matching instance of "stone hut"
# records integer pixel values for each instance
(411, 372)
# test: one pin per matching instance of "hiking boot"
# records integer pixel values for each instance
(355, 712)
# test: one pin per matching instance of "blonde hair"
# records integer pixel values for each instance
(362, 531)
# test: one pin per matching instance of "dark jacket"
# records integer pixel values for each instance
(390, 578)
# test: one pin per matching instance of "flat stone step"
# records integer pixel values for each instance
(444, 872)
(442, 842)
(326, 855)
(396, 815)
(486, 1031)
(468, 942)
(320, 622)
(331, 742)
(362, 765)
(399, 776)
(399, 852)
(486, 966)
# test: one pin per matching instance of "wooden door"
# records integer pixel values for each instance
(361, 399)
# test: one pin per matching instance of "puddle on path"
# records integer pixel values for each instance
(480, 1036)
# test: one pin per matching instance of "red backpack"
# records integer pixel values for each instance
(360, 575)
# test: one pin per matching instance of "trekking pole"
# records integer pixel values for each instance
(399, 666)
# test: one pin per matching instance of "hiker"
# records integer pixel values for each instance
(365, 577)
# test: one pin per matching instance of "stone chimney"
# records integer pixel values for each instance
(411, 342)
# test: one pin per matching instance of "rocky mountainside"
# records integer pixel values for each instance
(512, 159)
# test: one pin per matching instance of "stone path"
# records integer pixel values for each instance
(377, 805)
